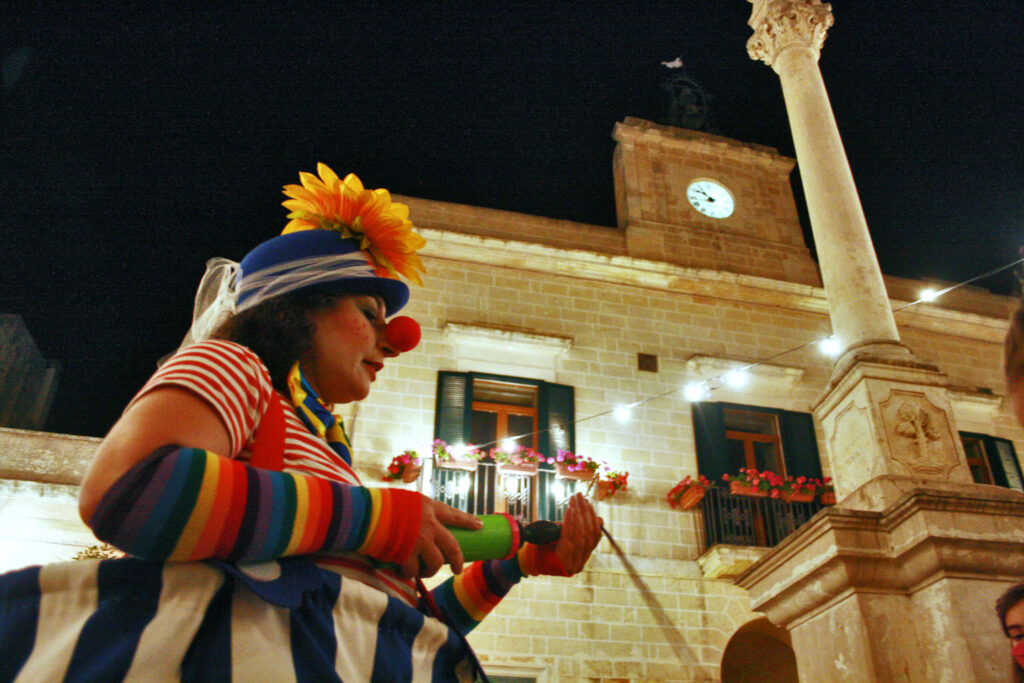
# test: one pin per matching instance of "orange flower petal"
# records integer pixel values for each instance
(382, 227)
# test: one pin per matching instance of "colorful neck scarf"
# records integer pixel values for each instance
(315, 415)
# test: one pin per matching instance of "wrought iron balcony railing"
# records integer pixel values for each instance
(746, 520)
(486, 489)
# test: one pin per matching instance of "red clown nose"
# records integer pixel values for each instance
(402, 333)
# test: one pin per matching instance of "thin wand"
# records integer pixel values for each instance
(668, 629)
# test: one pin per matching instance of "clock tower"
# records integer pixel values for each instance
(705, 201)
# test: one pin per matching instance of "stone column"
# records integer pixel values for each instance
(788, 35)
(885, 412)
(897, 581)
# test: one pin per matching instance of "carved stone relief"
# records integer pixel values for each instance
(918, 433)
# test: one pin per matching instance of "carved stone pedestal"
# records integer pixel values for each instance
(890, 418)
(898, 581)
(902, 594)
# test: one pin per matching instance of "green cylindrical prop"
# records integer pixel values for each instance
(492, 542)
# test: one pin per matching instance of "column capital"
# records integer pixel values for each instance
(782, 24)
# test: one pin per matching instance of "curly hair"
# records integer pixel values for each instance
(279, 330)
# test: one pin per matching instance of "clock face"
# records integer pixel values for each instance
(710, 198)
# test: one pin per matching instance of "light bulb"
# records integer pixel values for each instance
(929, 295)
(508, 445)
(622, 413)
(829, 346)
(459, 450)
(737, 379)
(695, 392)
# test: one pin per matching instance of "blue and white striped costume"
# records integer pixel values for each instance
(133, 620)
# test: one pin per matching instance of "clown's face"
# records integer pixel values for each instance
(348, 350)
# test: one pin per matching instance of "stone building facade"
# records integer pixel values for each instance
(28, 382)
(542, 300)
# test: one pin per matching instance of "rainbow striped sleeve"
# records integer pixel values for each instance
(466, 598)
(190, 504)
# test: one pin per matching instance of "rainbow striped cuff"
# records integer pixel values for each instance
(191, 504)
(466, 598)
(537, 560)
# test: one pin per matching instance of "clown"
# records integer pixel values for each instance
(256, 551)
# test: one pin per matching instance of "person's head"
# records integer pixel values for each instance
(1010, 609)
(324, 287)
(1013, 362)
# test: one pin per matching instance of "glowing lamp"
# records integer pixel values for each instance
(737, 379)
(829, 346)
(695, 392)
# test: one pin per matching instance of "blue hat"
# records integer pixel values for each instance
(313, 261)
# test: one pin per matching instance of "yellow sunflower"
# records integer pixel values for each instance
(382, 227)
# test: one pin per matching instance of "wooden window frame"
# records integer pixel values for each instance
(501, 432)
(993, 461)
(554, 421)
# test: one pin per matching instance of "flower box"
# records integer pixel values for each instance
(799, 497)
(611, 482)
(411, 473)
(406, 466)
(688, 492)
(446, 458)
(738, 489)
(528, 468)
(691, 497)
(562, 470)
(828, 498)
(605, 489)
(456, 462)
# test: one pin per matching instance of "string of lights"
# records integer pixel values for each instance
(737, 378)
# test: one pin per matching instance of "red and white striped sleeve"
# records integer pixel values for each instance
(230, 377)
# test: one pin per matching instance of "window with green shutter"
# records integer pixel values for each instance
(730, 436)
(482, 410)
(992, 460)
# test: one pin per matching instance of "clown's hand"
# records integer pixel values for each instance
(581, 532)
(435, 545)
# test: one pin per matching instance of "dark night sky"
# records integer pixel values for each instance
(137, 143)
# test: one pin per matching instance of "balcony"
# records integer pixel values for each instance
(485, 487)
(735, 531)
